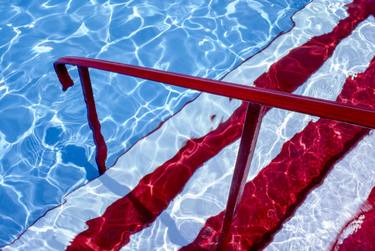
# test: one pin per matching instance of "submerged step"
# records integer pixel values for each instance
(151, 210)
(273, 195)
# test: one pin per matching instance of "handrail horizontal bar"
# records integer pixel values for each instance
(273, 98)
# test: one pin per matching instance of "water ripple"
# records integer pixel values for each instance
(46, 147)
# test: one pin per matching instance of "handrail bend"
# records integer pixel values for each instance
(273, 98)
(256, 97)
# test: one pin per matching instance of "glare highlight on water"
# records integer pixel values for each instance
(46, 147)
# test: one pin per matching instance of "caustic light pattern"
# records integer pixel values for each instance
(46, 149)
(281, 186)
(278, 188)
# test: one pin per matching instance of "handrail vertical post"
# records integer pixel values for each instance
(101, 147)
(250, 132)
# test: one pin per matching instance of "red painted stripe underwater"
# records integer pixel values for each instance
(323, 143)
(271, 197)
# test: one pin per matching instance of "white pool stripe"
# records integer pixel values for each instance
(328, 79)
(329, 207)
(207, 190)
(60, 225)
(325, 211)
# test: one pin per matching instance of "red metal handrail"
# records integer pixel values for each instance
(312, 106)
(256, 97)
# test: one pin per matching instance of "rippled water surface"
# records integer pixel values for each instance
(46, 149)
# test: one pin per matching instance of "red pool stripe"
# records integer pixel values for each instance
(295, 68)
(363, 237)
(303, 162)
(154, 192)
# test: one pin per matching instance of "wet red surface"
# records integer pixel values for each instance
(303, 162)
(301, 62)
(319, 150)
(361, 228)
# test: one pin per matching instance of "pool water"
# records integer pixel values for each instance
(46, 148)
(310, 179)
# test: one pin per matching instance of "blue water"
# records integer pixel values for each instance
(46, 147)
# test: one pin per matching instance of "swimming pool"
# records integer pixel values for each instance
(185, 214)
(46, 148)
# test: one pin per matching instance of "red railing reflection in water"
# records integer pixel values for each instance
(258, 98)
